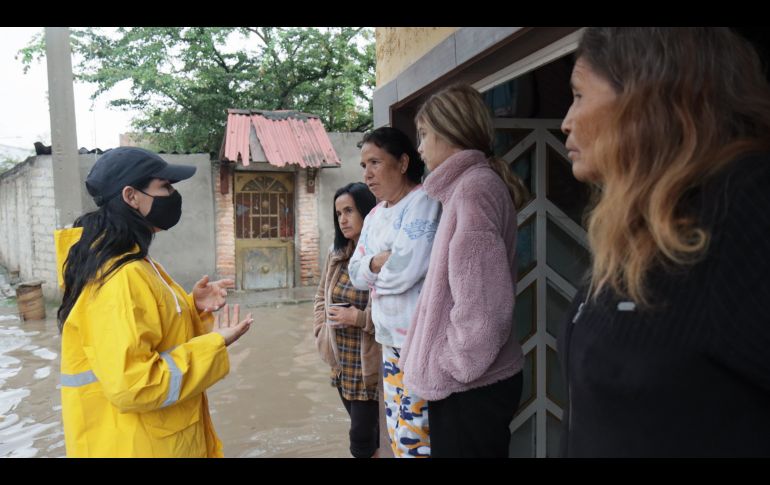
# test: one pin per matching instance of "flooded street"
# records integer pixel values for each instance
(276, 401)
(30, 406)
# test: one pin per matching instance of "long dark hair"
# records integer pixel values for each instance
(113, 230)
(395, 142)
(364, 201)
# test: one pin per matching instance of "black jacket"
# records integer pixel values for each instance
(691, 375)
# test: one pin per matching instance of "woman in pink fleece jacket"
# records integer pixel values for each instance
(461, 353)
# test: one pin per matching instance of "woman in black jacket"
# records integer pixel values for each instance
(665, 351)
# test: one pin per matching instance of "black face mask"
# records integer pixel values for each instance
(165, 210)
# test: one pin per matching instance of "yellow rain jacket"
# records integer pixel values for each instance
(136, 359)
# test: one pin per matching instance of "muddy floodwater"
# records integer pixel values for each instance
(276, 401)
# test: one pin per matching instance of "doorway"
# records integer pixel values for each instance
(264, 230)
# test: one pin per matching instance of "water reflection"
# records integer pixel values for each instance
(30, 420)
(276, 401)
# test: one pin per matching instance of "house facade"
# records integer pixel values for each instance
(269, 188)
(523, 74)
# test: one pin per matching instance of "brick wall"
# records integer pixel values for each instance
(224, 226)
(307, 228)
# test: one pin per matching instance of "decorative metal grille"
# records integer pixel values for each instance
(264, 209)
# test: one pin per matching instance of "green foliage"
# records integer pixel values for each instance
(184, 79)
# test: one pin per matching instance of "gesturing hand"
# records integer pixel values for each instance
(210, 296)
(229, 327)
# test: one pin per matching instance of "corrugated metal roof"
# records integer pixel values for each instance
(287, 137)
(236, 142)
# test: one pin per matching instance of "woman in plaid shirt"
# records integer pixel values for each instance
(343, 327)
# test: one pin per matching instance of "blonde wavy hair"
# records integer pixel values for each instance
(459, 115)
(690, 101)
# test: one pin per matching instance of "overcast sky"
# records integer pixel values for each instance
(24, 101)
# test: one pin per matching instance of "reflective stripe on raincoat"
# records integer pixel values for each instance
(136, 359)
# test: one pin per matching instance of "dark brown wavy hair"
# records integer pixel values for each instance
(690, 101)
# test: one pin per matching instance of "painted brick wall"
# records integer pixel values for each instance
(28, 220)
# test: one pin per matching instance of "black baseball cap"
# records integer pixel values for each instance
(123, 166)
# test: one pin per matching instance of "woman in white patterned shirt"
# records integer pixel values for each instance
(391, 260)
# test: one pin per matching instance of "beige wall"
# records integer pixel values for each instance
(400, 47)
(331, 179)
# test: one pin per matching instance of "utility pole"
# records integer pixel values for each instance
(61, 100)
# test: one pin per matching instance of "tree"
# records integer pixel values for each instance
(183, 79)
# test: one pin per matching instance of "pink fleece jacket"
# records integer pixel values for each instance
(462, 336)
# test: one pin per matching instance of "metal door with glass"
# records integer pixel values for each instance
(552, 259)
(264, 230)
(529, 100)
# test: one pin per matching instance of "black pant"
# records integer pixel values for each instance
(364, 426)
(475, 423)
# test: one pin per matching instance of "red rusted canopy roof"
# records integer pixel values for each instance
(287, 137)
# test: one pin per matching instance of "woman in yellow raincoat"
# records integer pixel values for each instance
(138, 352)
